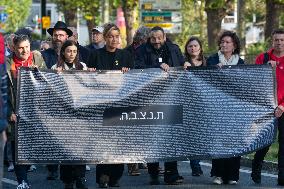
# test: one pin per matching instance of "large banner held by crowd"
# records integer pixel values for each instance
(144, 115)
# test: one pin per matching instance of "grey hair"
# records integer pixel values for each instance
(142, 34)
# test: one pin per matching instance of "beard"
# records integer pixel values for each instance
(57, 45)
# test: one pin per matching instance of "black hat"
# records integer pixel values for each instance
(60, 26)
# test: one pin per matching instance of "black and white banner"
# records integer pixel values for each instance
(144, 115)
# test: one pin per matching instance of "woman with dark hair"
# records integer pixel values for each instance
(193, 53)
(226, 170)
(69, 57)
(110, 57)
(69, 60)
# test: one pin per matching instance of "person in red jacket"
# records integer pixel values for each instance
(274, 56)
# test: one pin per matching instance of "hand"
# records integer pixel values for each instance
(59, 69)
(220, 65)
(92, 69)
(13, 118)
(273, 63)
(34, 66)
(165, 67)
(4, 136)
(186, 64)
(279, 111)
(125, 69)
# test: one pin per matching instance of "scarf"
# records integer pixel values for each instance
(234, 59)
(17, 63)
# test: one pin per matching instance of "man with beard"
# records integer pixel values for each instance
(60, 34)
(160, 52)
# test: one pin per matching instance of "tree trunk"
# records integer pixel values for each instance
(241, 24)
(128, 11)
(213, 27)
(71, 17)
(215, 16)
(90, 25)
(272, 17)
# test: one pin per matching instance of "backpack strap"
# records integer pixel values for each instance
(266, 58)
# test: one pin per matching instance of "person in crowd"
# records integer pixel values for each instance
(160, 52)
(22, 56)
(274, 56)
(60, 34)
(84, 53)
(141, 36)
(69, 60)
(9, 43)
(194, 58)
(226, 170)
(110, 58)
(8, 146)
(97, 38)
(35, 44)
(44, 45)
(3, 104)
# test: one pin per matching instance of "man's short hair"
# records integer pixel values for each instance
(141, 34)
(20, 38)
(158, 28)
(277, 31)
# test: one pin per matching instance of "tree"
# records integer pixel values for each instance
(18, 12)
(88, 8)
(216, 10)
(241, 23)
(129, 7)
(273, 10)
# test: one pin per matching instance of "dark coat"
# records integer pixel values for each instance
(3, 95)
(50, 56)
(98, 60)
(214, 60)
(147, 58)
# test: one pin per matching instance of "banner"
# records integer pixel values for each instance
(144, 115)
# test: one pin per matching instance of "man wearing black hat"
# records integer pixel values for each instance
(60, 34)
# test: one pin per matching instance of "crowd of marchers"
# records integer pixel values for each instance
(150, 49)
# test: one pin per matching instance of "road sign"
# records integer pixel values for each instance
(160, 4)
(161, 16)
(168, 27)
(45, 22)
(3, 17)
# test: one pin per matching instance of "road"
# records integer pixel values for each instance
(38, 180)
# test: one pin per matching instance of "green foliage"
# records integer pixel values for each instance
(88, 8)
(256, 7)
(257, 48)
(18, 11)
(192, 24)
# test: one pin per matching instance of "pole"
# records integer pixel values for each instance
(43, 13)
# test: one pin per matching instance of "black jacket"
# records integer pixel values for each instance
(50, 56)
(146, 57)
(98, 59)
(214, 60)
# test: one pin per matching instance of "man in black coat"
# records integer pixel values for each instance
(60, 34)
(159, 52)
